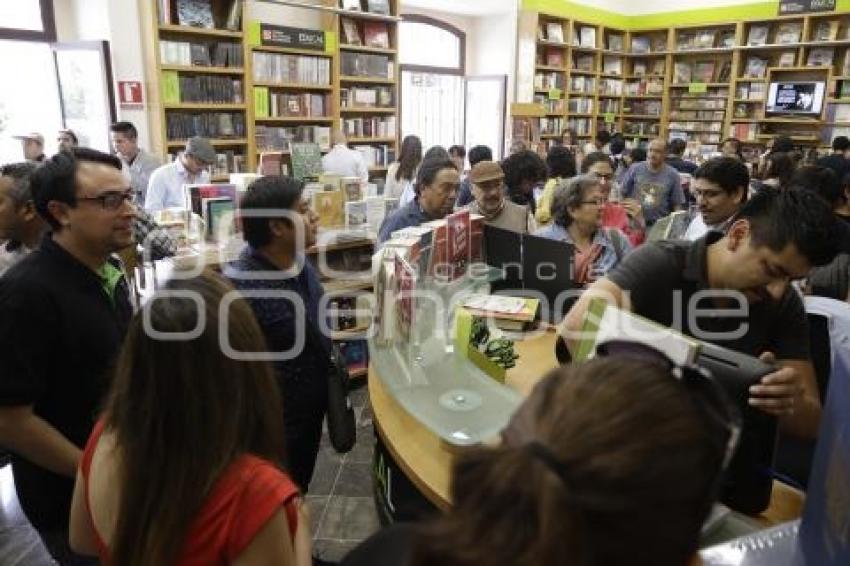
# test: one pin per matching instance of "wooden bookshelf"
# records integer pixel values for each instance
(169, 72)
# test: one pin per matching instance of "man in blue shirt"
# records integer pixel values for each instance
(654, 184)
(165, 188)
(437, 183)
(278, 226)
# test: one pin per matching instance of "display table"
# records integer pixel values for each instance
(424, 457)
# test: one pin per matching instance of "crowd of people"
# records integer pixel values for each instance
(132, 447)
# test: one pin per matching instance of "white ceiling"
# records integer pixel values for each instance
(464, 7)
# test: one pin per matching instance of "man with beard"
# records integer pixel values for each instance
(488, 188)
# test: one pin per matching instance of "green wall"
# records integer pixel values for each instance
(757, 10)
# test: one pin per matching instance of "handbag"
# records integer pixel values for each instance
(342, 428)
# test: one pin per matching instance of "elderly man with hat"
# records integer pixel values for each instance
(165, 188)
(33, 145)
(488, 188)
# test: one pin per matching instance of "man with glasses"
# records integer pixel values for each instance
(64, 310)
(488, 189)
(165, 188)
(721, 186)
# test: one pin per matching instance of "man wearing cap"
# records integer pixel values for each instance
(33, 145)
(165, 188)
(488, 188)
(67, 139)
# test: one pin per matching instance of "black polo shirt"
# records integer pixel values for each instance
(653, 273)
(60, 332)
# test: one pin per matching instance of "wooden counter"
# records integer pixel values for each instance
(426, 459)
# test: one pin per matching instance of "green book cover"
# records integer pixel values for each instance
(261, 102)
(463, 331)
(170, 87)
(254, 34)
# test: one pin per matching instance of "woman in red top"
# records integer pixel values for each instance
(184, 467)
(625, 215)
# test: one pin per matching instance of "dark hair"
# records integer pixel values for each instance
(267, 193)
(779, 166)
(479, 153)
(126, 128)
(676, 146)
(737, 143)
(572, 133)
(592, 159)
(429, 168)
(841, 143)
(603, 136)
(408, 160)
(182, 411)
(822, 180)
(781, 217)
(570, 194)
(457, 151)
(20, 174)
(510, 507)
(782, 144)
(617, 145)
(637, 154)
(70, 134)
(561, 162)
(727, 173)
(436, 151)
(56, 178)
(523, 166)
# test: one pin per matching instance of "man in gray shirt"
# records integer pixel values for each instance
(140, 164)
(654, 184)
(488, 189)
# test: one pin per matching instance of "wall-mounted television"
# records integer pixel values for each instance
(801, 98)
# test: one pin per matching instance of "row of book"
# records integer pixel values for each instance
(367, 65)
(645, 44)
(283, 68)
(226, 162)
(550, 80)
(641, 128)
(612, 65)
(368, 33)
(580, 105)
(701, 72)
(290, 105)
(705, 39)
(376, 155)
(641, 67)
(553, 57)
(584, 62)
(750, 91)
(789, 33)
(552, 106)
(609, 106)
(701, 103)
(644, 107)
(699, 136)
(201, 54)
(370, 127)
(199, 13)
(551, 125)
(581, 126)
(372, 6)
(363, 96)
(611, 86)
(184, 125)
(583, 84)
(644, 87)
(697, 126)
(697, 115)
(207, 89)
(270, 138)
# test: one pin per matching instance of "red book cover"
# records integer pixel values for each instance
(405, 278)
(555, 58)
(457, 243)
(376, 34)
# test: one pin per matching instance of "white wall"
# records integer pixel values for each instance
(634, 8)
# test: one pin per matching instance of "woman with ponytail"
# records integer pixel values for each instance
(606, 463)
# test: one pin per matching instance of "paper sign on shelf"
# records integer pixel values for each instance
(610, 118)
(697, 88)
(555, 94)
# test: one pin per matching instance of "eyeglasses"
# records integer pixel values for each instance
(112, 200)
(603, 176)
(702, 194)
(707, 395)
(597, 202)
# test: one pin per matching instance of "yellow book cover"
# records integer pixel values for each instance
(330, 206)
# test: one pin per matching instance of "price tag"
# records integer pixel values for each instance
(697, 88)
(610, 118)
(555, 94)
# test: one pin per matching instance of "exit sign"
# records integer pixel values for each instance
(130, 93)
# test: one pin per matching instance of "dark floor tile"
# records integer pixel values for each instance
(349, 519)
(316, 507)
(355, 480)
(332, 550)
(362, 451)
(325, 474)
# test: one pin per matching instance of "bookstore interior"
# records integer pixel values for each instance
(467, 219)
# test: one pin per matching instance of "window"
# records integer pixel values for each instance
(29, 20)
(430, 43)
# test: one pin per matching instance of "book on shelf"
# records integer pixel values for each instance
(352, 189)
(353, 5)
(378, 7)
(555, 32)
(329, 206)
(508, 313)
(184, 125)
(583, 62)
(554, 57)
(612, 65)
(210, 89)
(681, 73)
(271, 163)
(845, 67)
(615, 42)
(658, 67)
(703, 72)
(640, 44)
(820, 57)
(758, 35)
(787, 59)
(587, 36)
(658, 43)
(195, 54)
(269, 138)
(285, 68)
(366, 65)
(725, 72)
(219, 217)
(705, 39)
(826, 30)
(350, 32)
(788, 32)
(726, 39)
(639, 68)
(355, 215)
(306, 160)
(376, 34)
(685, 40)
(195, 13)
(756, 67)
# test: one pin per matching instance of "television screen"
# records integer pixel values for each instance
(795, 98)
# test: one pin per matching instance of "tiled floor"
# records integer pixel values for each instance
(340, 501)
